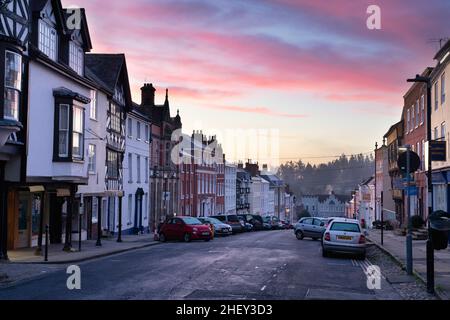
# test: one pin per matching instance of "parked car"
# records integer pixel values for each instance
(287, 224)
(309, 227)
(184, 228)
(247, 226)
(344, 235)
(256, 224)
(267, 226)
(273, 221)
(220, 228)
(231, 220)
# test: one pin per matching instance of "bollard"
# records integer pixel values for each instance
(46, 244)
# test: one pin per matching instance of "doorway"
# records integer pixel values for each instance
(24, 222)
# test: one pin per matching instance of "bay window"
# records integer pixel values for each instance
(13, 84)
(69, 131)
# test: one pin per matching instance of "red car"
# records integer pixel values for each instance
(185, 229)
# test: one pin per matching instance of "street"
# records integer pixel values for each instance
(256, 265)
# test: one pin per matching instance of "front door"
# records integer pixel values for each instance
(24, 222)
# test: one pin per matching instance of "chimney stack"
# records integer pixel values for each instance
(148, 95)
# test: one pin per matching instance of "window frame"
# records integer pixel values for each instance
(93, 111)
(442, 88)
(50, 51)
(15, 88)
(69, 156)
(92, 160)
(76, 58)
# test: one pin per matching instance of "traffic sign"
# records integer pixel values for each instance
(414, 161)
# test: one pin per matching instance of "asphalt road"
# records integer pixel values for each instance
(257, 265)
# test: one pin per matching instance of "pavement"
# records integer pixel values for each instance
(89, 250)
(257, 265)
(396, 246)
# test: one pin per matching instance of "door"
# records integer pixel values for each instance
(307, 227)
(24, 222)
(88, 206)
(318, 229)
(178, 229)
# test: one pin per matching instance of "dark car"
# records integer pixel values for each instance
(273, 221)
(185, 229)
(255, 220)
(233, 221)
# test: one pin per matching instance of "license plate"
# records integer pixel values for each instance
(205, 233)
(344, 238)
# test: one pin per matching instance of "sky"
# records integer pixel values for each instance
(275, 80)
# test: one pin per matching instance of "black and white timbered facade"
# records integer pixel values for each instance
(14, 35)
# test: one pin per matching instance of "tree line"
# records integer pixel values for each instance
(341, 175)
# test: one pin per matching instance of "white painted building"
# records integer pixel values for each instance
(256, 196)
(330, 205)
(230, 188)
(135, 205)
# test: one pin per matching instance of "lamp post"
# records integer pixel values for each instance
(375, 210)
(409, 257)
(430, 250)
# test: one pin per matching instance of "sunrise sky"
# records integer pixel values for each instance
(310, 69)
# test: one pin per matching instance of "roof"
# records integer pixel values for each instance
(272, 179)
(324, 197)
(440, 54)
(392, 128)
(106, 67)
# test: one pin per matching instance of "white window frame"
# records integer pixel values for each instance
(76, 58)
(92, 158)
(64, 131)
(408, 120)
(48, 40)
(443, 88)
(80, 133)
(138, 130)
(138, 168)
(130, 167)
(94, 104)
(422, 107)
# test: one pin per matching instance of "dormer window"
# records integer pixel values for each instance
(47, 40)
(76, 58)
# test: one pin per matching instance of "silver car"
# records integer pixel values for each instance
(309, 227)
(344, 235)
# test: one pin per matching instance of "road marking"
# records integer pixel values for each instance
(263, 288)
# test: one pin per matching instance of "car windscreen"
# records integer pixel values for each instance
(220, 218)
(192, 221)
(233, 218)
(214, 221)
(345, 226)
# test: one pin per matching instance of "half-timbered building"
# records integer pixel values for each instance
(14, 36)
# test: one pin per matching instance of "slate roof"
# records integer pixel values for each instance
(105, 67)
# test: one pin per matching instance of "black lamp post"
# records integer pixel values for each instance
(430, 250)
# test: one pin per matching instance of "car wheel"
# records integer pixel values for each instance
(362, 256)
(324, 253)
(187, 237)
(162, 237)
(299, 235)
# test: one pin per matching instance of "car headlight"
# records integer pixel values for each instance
(195, 229)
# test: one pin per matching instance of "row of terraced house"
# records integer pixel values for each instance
(78, 155)
(386, 188)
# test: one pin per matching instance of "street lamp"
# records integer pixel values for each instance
(430, 252)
